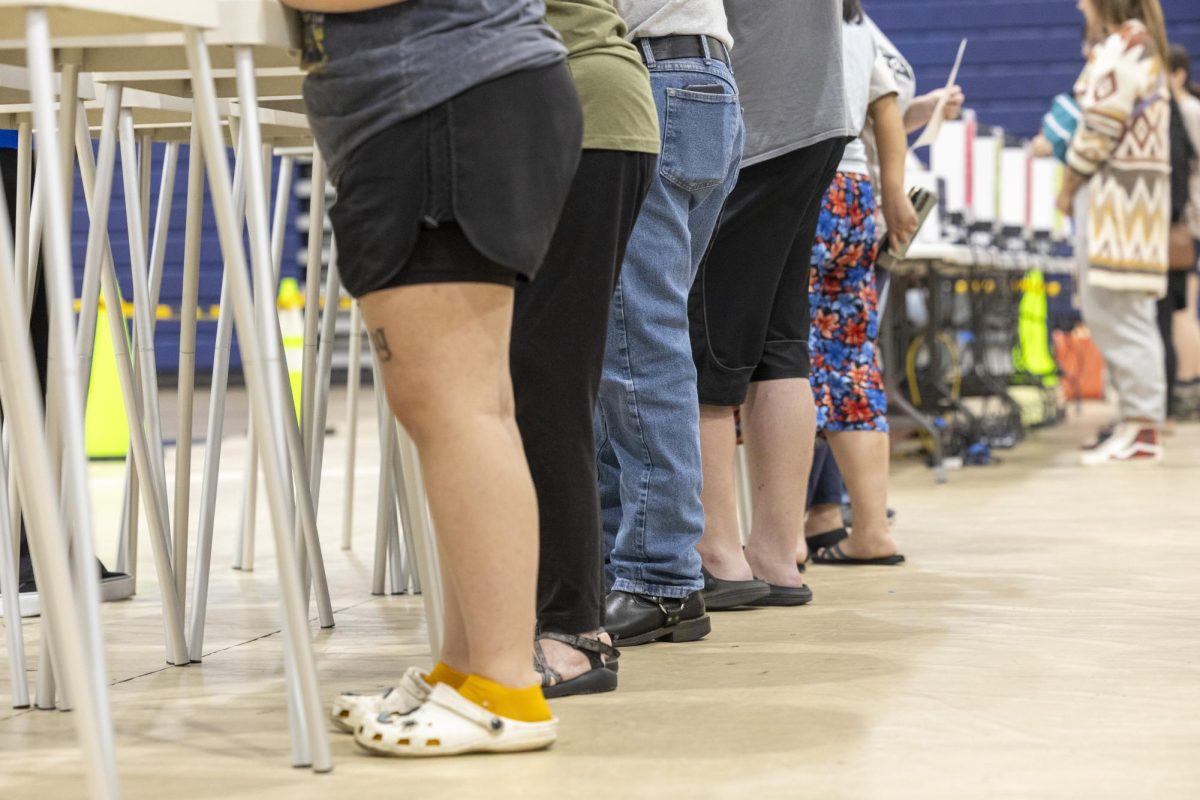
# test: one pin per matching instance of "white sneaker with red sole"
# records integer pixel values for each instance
(1129, 444)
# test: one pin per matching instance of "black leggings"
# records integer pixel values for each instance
(559, 327)
(1176, 300)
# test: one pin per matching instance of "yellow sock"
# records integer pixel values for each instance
(444, 673)
(523, 705)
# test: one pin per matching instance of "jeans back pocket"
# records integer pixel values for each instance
(699, 135)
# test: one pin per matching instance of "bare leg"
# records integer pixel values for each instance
(721, 545)
(780, 427)
(456, 649)
(822, 519)
(443, 349)
(863, 459)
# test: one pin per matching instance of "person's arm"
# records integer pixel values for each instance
(1117, 69)
(338, 6)
(892, 142)
(920, 110)
(1072, 183)
(1041, 147)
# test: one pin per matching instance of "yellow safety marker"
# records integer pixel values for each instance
(291, 324)
(106, 428)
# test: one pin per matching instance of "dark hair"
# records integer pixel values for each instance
(1178, 59)
(852, 11)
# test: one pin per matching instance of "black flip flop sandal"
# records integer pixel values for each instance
(834, 555)
(820, 540)
(600, 678)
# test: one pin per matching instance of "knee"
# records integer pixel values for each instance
(429, 408)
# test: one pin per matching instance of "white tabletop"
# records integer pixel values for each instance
(91, 20)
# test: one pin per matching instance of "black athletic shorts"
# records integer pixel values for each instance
(469, 191)
(749, 304)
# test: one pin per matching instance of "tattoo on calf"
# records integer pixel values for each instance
(381, 345)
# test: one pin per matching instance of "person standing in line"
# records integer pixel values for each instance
(843, 302)
(749, 305)
(560, 325)
(452, 131)
(1120, 150)
(113, 585)
(1187, 324)
(825, 523)
(1181, 253)
(648, 448)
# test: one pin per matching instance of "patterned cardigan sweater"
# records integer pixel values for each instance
(1123, 146)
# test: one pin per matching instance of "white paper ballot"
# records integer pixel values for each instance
(930, 134)
(1014, 186)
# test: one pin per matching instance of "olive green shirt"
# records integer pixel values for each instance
(613, 85)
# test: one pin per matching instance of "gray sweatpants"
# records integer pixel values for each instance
(1124, 326)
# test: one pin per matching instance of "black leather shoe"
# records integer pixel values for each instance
(640, 619)
(721, 595)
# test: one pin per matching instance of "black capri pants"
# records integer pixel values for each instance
(749, 304)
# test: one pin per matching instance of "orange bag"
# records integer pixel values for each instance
(1080, 363)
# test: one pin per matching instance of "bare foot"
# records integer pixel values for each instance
(860, 545)
(566, 660)
(821, 519)
(728, 566)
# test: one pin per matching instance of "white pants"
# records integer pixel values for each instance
(1124, 326)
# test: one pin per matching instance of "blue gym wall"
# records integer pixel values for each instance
(211, 264)
(1021, 53)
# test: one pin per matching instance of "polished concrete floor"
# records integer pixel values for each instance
(1042, 642)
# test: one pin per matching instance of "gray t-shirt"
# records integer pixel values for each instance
(372, 69)
(788, 65)
(650, 18)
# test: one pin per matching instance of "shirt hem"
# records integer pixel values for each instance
(632, 144)
(799, 145)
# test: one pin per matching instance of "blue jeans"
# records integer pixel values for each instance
(648, 417)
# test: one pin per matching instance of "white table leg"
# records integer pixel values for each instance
(75, 627)
(216, 420)
(353, 382)
(267, 400)
(268, 318)
(12, 605)
(187, 333)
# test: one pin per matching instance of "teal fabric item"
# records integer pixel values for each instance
(1059, 124)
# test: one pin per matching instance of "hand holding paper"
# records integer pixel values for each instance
(951, 99)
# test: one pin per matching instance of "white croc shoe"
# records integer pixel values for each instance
(449, 724)
(351, 708)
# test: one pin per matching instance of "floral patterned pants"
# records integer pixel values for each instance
(844, 309)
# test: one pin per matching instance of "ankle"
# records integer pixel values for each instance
(823, 518)
(526, 704)
(725, 563)
(444, 673)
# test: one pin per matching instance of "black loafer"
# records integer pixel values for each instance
(639, 619)
(785, 596)
(721, 595)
